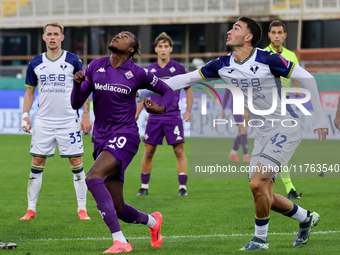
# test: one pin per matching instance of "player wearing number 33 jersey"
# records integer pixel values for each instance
(55, 79)
(51, 74)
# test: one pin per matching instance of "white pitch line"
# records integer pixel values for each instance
(168, 237)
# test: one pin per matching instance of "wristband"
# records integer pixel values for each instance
(24, 115)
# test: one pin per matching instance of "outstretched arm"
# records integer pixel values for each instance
(177, 82)
(308, 82)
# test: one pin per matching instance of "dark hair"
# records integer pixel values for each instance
(135, 45)
(254, 28)
(277, 23)
(164, 37)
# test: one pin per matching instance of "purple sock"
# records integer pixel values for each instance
(182, 179)
(237, 143)
(130, 214)
(145, 178)
(104, 203)
(244, 142)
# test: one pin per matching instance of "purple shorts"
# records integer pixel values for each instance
(123, 147)
(157, 129)
(238, 118)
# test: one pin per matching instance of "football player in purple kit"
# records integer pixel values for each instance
(114, 81)
(242, 135)
(168, 124)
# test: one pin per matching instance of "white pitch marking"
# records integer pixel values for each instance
(169, 237)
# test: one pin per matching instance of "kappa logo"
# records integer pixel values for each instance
(172, 69)
(254, 69)
(154, 81)
(63, 67)
(129, 74)
(101, 70)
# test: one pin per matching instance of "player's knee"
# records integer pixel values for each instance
(38, 161)
(118, 207)
(179, 151)
(149, 152)
(75, 161)
(257, 185)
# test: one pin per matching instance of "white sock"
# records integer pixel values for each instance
(33, 188)
(118, 236)
(80, 188)
(183, 187)
(233, 152)
(145, 186)
(261, 231)
(151, 221)
(300, 215)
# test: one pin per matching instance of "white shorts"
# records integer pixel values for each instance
(275, 149)
(70, 142)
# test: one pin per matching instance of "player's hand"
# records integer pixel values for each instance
(86, 124)
(337, 122)
(26, 121)
(186, 116)
(79, 77)
(322, 133)
(152, 107)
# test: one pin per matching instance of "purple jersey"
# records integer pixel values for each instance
(173, 68)
(114, 92)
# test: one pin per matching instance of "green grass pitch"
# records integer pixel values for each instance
(217, 217)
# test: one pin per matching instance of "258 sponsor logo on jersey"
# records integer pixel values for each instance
(52, 79)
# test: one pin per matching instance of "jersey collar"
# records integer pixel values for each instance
(244, 61)
(62, 53)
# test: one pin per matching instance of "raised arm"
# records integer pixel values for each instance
(81, 90)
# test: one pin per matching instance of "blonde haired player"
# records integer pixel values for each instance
(55, 121)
